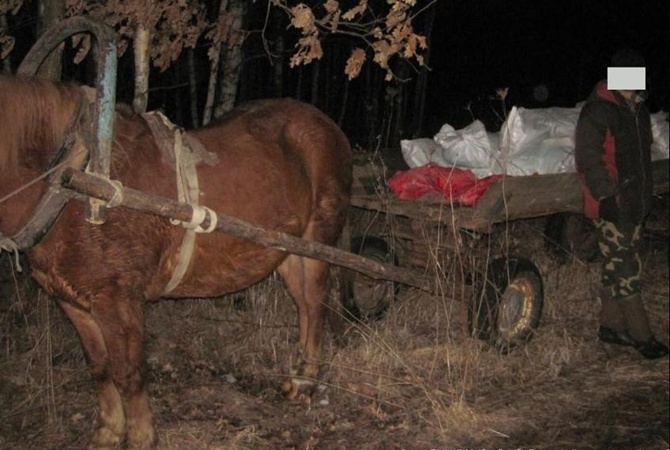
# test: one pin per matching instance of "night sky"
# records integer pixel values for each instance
(479, 45)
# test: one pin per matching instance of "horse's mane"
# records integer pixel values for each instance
(34, 115)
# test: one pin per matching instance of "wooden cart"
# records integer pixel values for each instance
(478, 247)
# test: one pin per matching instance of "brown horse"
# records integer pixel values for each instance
(281, 164)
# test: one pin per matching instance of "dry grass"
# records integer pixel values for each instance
(411, 380)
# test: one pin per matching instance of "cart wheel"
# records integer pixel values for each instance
(571, 234)
(508, 309)
(369, 298)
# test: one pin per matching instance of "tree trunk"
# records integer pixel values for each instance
(176, 78)
(215, 56)
(142, 60)
(232, 61)
(6, 62)
(327, 77)
(298, 84)
(422, 82)
(373, 111)
(51, 12)
(211, 85)
(316, 69)
(278, 64)
(401, 105)
(345, 101)
(193, 88)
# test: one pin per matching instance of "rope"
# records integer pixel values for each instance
(8, 245)
(117, 198)
(31, 182)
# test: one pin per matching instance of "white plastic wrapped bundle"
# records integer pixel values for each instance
(539, 141)
(417, 152)
(532, 141)
(468, 148)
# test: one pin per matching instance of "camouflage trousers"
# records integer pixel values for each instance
(620, 246)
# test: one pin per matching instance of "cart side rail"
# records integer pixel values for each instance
(509, 198)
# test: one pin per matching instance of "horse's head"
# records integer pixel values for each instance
(38, 119)
(36, 116)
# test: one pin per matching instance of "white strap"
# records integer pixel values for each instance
(200, 214)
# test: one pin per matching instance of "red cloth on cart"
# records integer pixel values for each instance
(454, 184)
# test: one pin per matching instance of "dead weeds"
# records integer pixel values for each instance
(413, 380)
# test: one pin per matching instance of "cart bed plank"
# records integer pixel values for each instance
(510, 198)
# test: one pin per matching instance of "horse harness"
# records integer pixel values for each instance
(179, 150)
(183, 152)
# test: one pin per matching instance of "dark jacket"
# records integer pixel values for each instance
(613, 153)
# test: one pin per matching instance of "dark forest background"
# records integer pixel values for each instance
(547, 53)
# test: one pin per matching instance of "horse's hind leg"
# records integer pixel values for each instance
(307, 282)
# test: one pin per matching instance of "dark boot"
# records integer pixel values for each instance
(637, 323)
(612, 328)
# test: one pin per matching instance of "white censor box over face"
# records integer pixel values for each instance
(626, 78)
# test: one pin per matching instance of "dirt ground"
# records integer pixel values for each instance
(413, 380)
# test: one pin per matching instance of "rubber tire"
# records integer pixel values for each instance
(507, 307)
(357, 305)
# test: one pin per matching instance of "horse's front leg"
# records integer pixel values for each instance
(307, 282)
(112, 335)
(111, 417)
(123, 331)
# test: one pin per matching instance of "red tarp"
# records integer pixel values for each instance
(458, 185)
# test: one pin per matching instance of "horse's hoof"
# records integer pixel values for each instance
(144, 441)
(105, 439)
(298, 389)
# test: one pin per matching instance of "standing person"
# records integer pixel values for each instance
(613, 157)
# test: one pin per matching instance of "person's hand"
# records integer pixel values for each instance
(608, 209)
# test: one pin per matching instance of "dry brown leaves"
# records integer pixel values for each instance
(388, 35)
(174, 24)
(178, 24)
(7, 41)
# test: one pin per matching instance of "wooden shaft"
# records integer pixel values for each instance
(97, 187)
